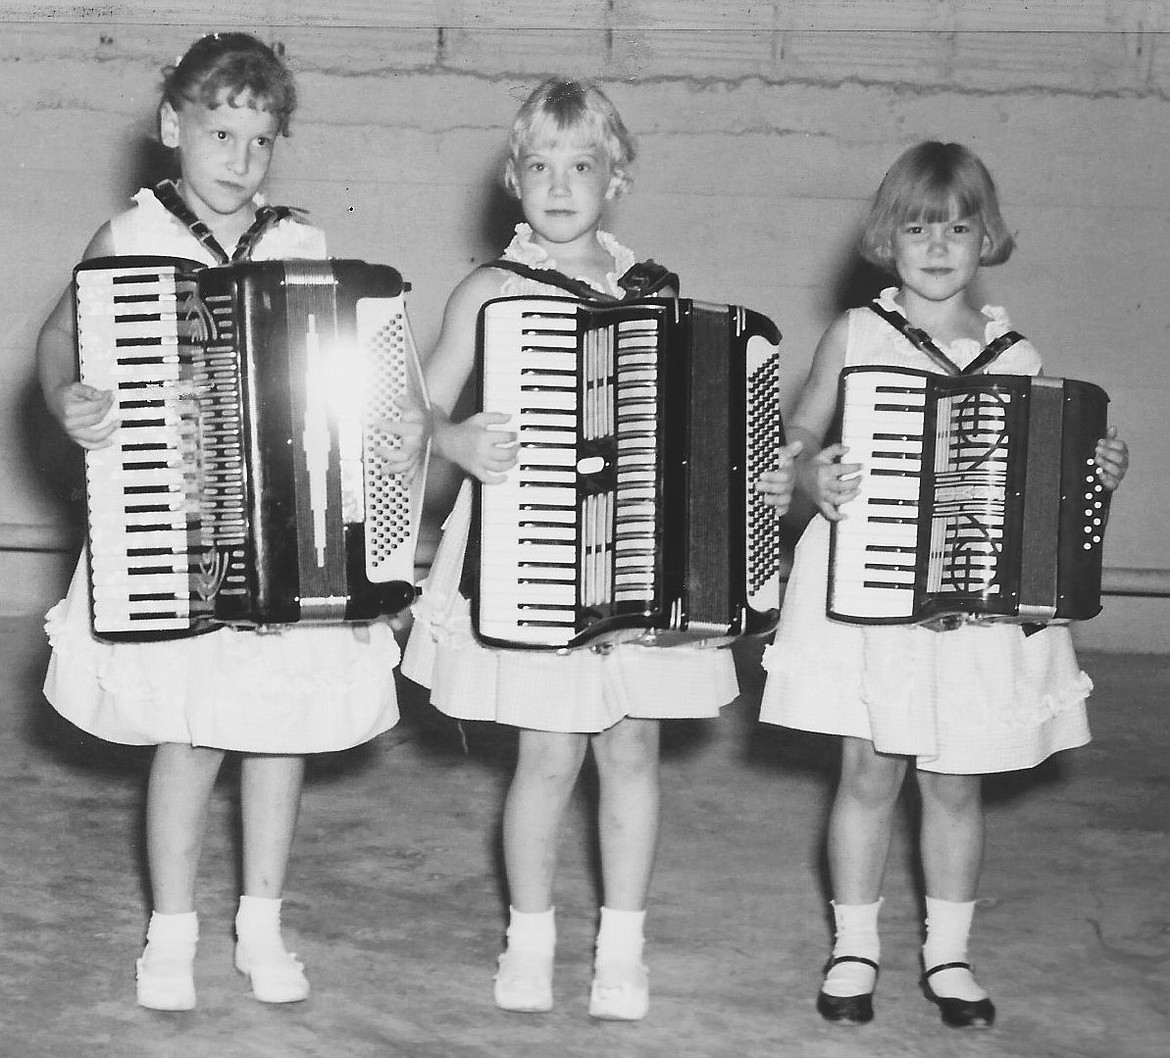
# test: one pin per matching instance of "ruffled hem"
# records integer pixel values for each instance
(304, 690)
(580, 690)
(910, 690)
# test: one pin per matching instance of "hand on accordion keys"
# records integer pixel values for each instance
(834, 483)
(775, 486)
(475, 445)
(86, 414)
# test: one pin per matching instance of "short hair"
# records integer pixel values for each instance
(235, 66)
(934, 182)
(561, 104)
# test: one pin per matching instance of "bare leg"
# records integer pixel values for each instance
(627, 767)
(270, 798)
(952, 834)
(859, 841)
(534, 811)
(952, 854)
(546, 772)
(177, 798)
(861, 820)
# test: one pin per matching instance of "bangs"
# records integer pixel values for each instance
(582, 128)
(936, 199)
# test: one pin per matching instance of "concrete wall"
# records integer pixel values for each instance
(763, 128)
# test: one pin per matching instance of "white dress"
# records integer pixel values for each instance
(303, 690)
(581, 690)
(977, 699)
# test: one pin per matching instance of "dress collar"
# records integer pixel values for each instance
(523, 249)
(996, 316)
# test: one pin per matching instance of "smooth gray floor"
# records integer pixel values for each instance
(395, 901)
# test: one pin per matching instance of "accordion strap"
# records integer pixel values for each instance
(923, 342)
(266, 217)
(641, 281)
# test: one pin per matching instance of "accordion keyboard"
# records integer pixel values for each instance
(875, 545)
(144, 519)
(529, 529)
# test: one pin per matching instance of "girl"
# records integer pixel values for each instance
(569, 154)
(271, 697)
(955, 703)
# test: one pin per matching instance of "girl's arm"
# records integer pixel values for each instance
(828, 482)
(81, 410)
(471, 444)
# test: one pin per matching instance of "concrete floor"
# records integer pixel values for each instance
(395, 900)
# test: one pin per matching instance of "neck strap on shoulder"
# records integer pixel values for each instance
(266, 217)
(643, 280)
(923, 342)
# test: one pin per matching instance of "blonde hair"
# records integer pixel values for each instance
(934, 182)
(561, 104)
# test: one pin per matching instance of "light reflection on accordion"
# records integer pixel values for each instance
(631, 514)
(243, 485)
(979, 498)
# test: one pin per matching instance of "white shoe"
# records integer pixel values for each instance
(620, 991)
(524, 981)
(165, 976)
(277, 975)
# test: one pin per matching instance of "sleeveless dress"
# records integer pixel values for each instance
(305, 689)
(976, 699)
(581, 690)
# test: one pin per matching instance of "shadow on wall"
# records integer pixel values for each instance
(56, 462)
(149, 162)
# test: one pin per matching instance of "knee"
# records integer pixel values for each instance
(551, 759)
(629, 749)
(953, 794)
(871, 777)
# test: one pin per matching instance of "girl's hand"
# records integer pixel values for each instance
(84, 413)
(1112, 459)
(413, 430)
(833, 483)
(481, 451)
(776, 485)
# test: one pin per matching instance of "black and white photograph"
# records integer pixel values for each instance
(584, 529)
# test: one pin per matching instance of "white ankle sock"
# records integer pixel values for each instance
(168, 930)
(258, 919)
(857, 934)
(620, 935)
(532, 930)
(948, 925)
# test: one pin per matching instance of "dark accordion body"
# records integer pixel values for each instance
(243, 485)
(631, 514)
(980, 498)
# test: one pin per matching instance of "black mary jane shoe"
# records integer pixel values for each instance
(847, 1010)
(959, 1013)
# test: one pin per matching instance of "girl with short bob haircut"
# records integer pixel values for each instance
(933, 182)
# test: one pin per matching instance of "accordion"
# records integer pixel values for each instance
(980, 498)
(631, 513)
(243, 486)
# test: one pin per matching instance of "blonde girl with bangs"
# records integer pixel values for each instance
(948, 703)
(569, 156)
